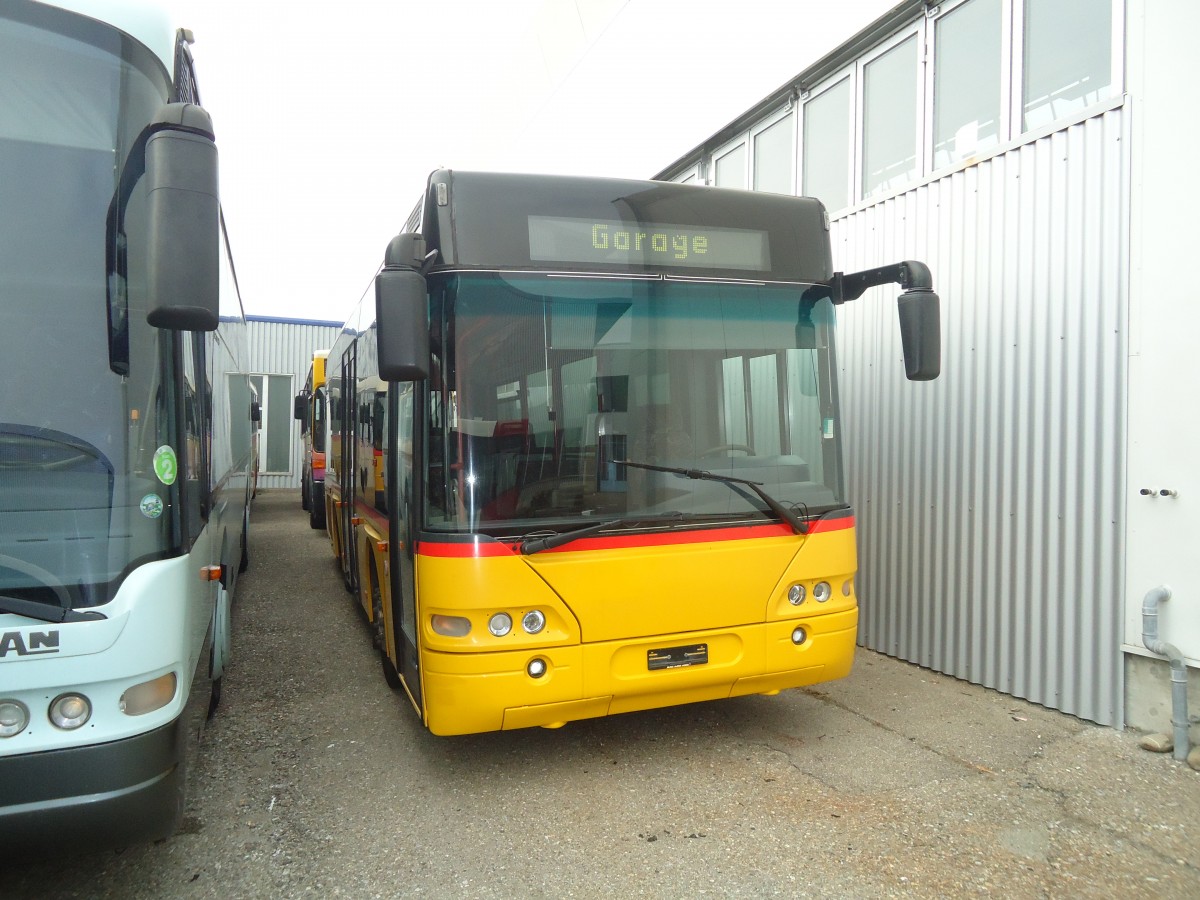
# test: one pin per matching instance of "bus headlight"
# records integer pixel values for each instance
(533, 621)
(799, 636)
(822, 591)
(536, 668)
(149, 695)
(500, 624)
(796, 594)
(14, 716)
(70, 711)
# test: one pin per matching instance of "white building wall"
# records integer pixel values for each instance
(1164, 415)
(283, 347)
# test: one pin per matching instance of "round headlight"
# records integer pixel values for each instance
(799, 636)
(533, 621)
(796, 594)
(70, 711)
(536, 668)
(500, 624)
(822, 591)
(13, 717)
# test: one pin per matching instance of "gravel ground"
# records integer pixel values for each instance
(316, 780)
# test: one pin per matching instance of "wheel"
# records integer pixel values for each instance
(724, 449)
(316, 505)
(214, 698)
(390, 675)
(379, 637)
(244, 562)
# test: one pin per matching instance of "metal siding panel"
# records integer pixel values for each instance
(280, 347)
(991, 500)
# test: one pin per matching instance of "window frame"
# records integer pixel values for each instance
(766, 123)
(1005, 110)
(850, 75)
(742, 141)
(1016, 71)
(265, 431)
(916, 31)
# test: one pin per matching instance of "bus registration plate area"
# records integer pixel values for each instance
(677, 657)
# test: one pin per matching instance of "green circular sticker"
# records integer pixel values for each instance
(152, 506)
(166, 467)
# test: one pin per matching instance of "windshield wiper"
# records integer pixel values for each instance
(44, 613)
(550, 541)
(787, 515)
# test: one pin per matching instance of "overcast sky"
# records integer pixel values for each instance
(330, 116)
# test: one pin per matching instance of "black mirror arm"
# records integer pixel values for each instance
(910, 275)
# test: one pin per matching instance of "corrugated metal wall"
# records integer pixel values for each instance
(990, 502)
(285, 347)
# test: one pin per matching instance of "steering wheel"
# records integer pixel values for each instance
(722, 449)
(44, 577)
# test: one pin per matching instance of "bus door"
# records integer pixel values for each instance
(347, 465)
(404, 509)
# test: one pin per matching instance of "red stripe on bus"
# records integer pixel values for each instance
(481, 549)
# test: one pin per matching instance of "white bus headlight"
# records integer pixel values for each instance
(533, 621)
(500, 624)
(822, 591)
(796, 594)
(14, 716)
(70, 711)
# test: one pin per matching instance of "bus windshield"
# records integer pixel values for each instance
(88, 448)
(559, 398)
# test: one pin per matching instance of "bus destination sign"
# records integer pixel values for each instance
(614, 242)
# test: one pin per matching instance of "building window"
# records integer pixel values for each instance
(773, 155)
(730, 168)
(967, 73)
(1067, 58)
(827, 147)
(890, 119)
(275, 438)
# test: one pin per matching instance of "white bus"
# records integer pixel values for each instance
(125, 424)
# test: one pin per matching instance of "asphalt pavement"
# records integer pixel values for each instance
(316, 780)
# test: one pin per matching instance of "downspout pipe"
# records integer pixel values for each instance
(1179, 705)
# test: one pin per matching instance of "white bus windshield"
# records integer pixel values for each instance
(85, 414)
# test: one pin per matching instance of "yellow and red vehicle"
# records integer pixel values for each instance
(586, 456)
(310, 410)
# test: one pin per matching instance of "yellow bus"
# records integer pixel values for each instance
(309, 409)
(586, 454)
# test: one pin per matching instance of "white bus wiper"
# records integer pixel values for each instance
(798, 525)
(44, 613)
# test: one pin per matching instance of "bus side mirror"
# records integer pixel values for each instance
(184, 218)
(300, 407)
(402, 320)
(921, 334)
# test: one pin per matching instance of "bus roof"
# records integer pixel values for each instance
(493, 221)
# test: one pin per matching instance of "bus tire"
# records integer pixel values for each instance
(244, 562)
(316, 505)
(305, 502)
(214, 699)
